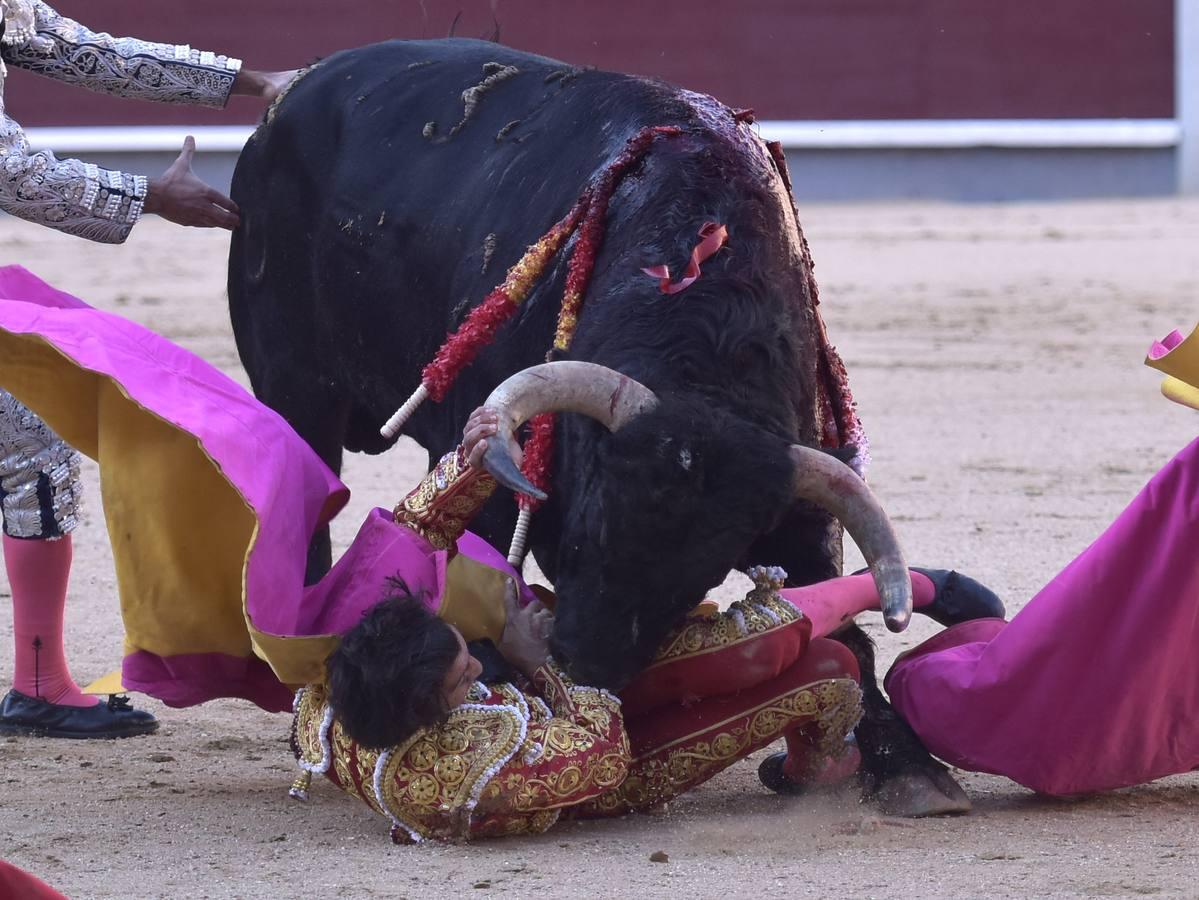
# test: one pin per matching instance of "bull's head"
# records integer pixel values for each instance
(610, 621)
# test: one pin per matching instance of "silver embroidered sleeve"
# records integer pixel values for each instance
(67, 194)
(126, 67)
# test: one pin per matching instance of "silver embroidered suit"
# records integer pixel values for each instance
(39, 473)
(70, 195)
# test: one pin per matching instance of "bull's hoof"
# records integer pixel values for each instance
(919, 794)
(771, 774)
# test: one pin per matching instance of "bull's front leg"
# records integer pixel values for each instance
(897, 770)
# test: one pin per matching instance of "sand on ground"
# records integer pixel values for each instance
(995, 353)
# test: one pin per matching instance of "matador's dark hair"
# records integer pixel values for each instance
(385, 678)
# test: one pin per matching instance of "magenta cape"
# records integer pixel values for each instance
(210, 499)
(1095, 683)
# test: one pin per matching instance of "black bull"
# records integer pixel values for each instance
(380, 202)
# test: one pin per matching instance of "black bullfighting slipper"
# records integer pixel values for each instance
(957, 598)
(22, 714)
(772, 776)
(820, 771)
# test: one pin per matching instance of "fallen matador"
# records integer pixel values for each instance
(511, 757)
(212, 499)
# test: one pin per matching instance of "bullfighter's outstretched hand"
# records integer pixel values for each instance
(179, 195)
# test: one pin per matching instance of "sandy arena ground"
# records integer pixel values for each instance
(996, 357)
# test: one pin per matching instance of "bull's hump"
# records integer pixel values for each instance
(466, 51)
(433, 65)
(438, 72)
(717, 119)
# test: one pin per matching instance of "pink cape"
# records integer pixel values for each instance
(1093, 685)
(287, 488)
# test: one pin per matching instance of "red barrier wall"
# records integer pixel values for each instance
(788, 59)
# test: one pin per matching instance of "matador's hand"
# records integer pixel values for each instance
(482, 424)
(179, 196)
(525, 641)
(267, 86)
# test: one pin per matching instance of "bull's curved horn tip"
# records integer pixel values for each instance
(500, 465)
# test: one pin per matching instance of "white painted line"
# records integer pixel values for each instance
(805, 135)
(967, 133)
(138, 138)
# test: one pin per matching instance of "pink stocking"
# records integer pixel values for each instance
(806, 762)
(830, 604)
(37, 573)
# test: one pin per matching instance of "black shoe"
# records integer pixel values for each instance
(22, 714)
(770, 773)
(957, 598)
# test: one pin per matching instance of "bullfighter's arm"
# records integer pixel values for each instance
(68, 194)
(576, 749)
(127, 67)
(445, 501)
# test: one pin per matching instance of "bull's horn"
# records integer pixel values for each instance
(836, 487)
(607, 396)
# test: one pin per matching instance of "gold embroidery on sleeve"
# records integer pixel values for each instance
(442, 505)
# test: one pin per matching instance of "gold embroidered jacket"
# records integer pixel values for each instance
(69, 195)
(507, 761)
(513, 758)
(442, 505)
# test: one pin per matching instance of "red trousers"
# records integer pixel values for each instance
(725, 686)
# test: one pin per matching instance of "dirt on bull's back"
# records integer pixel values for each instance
(995, 355)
